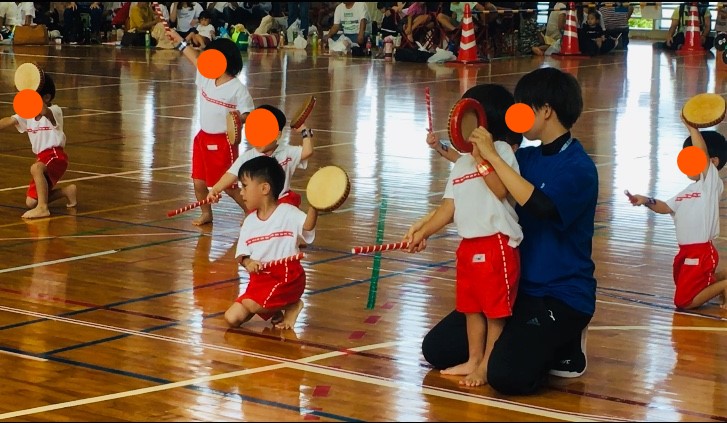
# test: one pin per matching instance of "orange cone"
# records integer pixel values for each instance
(467, 45)
(692, 40)
(569, 43)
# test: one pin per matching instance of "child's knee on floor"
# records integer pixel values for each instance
(31, 202)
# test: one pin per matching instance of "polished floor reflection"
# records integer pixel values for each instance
(111, 311)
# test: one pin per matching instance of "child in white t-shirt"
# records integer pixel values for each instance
(270, 233)
(212, 154)
(695, 211)
(47, 139)
(290, 157)
(205, 32)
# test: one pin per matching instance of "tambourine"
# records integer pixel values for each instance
(303, 113)
(720, 41)
(234, 127)
(29, 76)
(328, 188)
(704, 110)
(466, 115)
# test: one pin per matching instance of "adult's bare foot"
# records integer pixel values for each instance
(461, 369)
(476, 378)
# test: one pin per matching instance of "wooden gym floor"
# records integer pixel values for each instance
(111, 311)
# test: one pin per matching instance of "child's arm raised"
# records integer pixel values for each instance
(494, 183)
(311, 219)
(520, 189)
(448, 153)
(697, 141)
(307, 142)
(7, 122)
(190, 53)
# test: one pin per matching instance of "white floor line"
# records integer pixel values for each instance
(104, 175)
(299, 364)
(30, 238)
(48, 263)
(25, 356)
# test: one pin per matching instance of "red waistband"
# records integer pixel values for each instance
(694, 246)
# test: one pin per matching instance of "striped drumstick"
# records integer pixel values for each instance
(288, 259)
(382, 247)
(192, 206)
(158, 11)
(429, 107)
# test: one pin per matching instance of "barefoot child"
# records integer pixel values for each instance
(270, 233)
(695, 211)
(47, 140)
(290, 158)
(212, 154)
(488, 261)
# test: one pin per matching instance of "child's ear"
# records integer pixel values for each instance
(266, 188)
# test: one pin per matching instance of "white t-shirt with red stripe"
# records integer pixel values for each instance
(696, 209)
(288, 156)
(217, 101)
(477, 211)
(43, 135)
(274, 238)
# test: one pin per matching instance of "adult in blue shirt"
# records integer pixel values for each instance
(556, 193)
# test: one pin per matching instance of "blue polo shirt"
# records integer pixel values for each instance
(556, 256)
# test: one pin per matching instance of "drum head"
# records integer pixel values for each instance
(303, 113)
(466, 115)
(28, 76)
(328, 188)
(234, 127)
(704, 110)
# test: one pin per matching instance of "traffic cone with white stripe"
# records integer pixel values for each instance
(569, 43)
(692, 36)
(467, 45)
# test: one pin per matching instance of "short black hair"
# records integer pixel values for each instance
(495, 99)
(279, 115)
(204, 15)
(49, 87)
(716, 146)
(265, 169)
(551, 86)
(229, 49)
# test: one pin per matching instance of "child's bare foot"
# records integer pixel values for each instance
(36, 213)
(70, 193)
(277, 318)
(538, 52)
(723, 305)
(291, 315)
(461, 369)
(203, 219)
